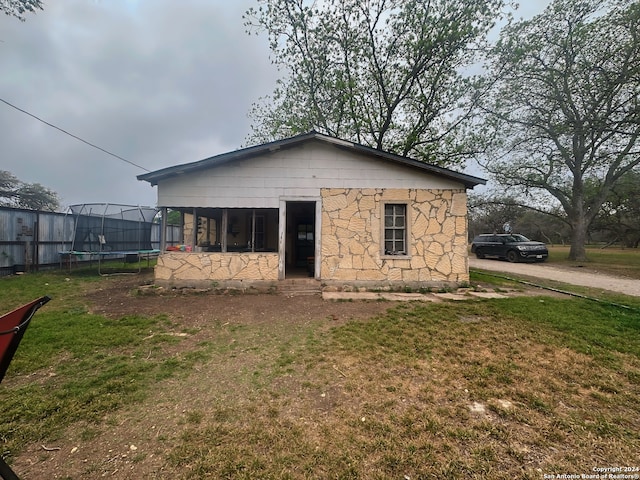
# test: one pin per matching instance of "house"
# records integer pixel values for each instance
(314, 205)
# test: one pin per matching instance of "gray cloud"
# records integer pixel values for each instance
(156, 82)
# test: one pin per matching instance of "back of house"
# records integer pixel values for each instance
(314, 205)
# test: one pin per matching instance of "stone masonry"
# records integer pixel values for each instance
(205, 269)
(352, 238)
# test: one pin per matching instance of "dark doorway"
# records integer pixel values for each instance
(301, 238)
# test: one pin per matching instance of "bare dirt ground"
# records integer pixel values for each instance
(135, 442)
(192, 308)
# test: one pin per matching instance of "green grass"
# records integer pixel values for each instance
(596, 329)
(18, 290)
(75, 366)
(483, 277)
(612, 260)
(494, 388)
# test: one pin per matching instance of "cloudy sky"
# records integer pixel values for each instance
(156, 82)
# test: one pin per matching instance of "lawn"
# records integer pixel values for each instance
(611, 260)
(505, 388)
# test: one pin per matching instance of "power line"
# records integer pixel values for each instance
(74, 136)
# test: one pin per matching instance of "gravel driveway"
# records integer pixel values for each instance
(571, 275)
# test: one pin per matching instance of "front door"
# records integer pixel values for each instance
(300, 239)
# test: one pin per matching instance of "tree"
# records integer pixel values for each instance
(14, 193)
(17, 8)
(620, 213)
(490, 213)
(384, 73)
(565, 107)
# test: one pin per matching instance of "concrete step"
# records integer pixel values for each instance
(299, 286)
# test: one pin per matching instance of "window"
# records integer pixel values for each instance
(395, 229)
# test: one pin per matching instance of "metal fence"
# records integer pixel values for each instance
(31, 239)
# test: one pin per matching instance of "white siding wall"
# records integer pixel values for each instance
(296, 172)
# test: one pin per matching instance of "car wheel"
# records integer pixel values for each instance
(479, 254)
(512, 256)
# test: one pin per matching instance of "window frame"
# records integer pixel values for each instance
(406, 229)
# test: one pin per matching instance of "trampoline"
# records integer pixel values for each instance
(108, 231)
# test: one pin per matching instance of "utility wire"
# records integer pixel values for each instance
(74, 136)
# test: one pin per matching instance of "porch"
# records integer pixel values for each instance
(235, 246)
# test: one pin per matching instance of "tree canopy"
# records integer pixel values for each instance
(14, 193)
(384, 73)
(563, 116)
(17, 8)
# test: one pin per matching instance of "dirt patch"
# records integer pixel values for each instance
(121, 296)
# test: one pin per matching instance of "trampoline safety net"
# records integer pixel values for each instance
(111, 228)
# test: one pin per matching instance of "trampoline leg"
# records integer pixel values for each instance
(5, 471)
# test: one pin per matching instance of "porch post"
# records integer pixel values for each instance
(183, 238)
(223, 230)
(163, 228)
(282, 238)
(317, 240)
(194, 231)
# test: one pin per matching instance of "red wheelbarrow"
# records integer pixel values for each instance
(12, 328)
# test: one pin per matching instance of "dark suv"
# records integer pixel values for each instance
(512, 246)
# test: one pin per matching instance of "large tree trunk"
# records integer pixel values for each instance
(578, 239)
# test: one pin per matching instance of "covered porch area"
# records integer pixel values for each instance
(241, 246)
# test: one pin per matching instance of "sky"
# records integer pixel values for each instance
(156, 82)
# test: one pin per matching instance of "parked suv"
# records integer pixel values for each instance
(511, 246)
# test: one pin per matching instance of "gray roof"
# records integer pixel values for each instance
(153, 178)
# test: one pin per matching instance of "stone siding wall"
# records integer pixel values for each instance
(353, 235)
(203, 269)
